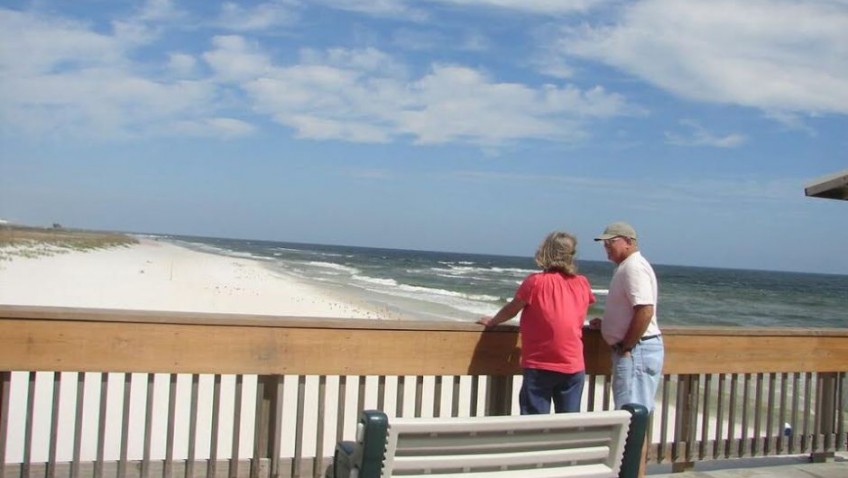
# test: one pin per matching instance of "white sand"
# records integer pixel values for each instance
(156, 275)
(151, 275)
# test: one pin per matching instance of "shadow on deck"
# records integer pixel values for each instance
(764, 467)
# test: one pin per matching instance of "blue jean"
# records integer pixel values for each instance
(635, 378)
(541, 387)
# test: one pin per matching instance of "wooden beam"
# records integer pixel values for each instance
(126, 341)
(834, 186)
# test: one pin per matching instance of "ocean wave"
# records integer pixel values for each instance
(513, 270)
(376, 280)
(487, 271)
(334, 266)
(456, 270)
(600, 291)
(306, 252)
(424, 293)
(477, 304)
(199, 246)
(465, 277)
(450, 263)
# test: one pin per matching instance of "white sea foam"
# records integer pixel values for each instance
(453, 276)
(202, 247)
(376, 280)
(422, 293)
(334, 266)
(477, 304)
(512, 270)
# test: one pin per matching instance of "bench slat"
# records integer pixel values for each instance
(589, 471)
(523, 459)
(468, 443)
(528, 422)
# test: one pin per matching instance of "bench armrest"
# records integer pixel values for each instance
(364, 457)
(635, 441)
(342, 460)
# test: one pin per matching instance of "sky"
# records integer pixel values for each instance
(445, 125)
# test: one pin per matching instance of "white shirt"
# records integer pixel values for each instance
(633, 283)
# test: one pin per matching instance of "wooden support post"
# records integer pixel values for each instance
(268, 422)
(825, 407)
(5, 387)
(499, 395)
(686, 424)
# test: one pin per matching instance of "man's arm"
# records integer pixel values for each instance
(642, 315)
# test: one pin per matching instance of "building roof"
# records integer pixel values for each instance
(833, 186)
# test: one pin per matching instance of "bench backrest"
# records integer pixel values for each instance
(589, 444)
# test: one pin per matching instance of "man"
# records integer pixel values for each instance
(629, 324)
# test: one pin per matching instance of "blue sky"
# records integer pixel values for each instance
(455, 125)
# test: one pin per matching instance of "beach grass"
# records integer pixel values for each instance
(32, 242)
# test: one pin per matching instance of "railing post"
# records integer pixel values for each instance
(686, 424)
(268, 422)
(825, 407)
(5, 392)
(499, 395)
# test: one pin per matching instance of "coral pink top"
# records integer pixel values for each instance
(552, 321)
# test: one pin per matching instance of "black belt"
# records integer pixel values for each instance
(649, 337)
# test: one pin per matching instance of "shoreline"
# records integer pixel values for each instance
(161, 275)
(388, 307)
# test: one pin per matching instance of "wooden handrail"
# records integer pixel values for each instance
(74, 339)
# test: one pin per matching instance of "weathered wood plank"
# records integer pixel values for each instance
(82, 345)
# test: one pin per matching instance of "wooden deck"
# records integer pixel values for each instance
(92, 392)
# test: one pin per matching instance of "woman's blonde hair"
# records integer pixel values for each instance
(556, 253)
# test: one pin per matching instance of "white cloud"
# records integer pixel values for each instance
(364, 96)
(75, 82)
(259, 17)
(159, 10)
(366, 60)
(147, 22)
(697, 135)
(182, 65)
(100, 103)
(532, 6)
(235, 59)
(379, 8)
(51, 43)
(774, 55)
(226, 128)
(653, 193)
(410, 10)
(417, 40)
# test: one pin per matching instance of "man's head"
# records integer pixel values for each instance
(620, 241)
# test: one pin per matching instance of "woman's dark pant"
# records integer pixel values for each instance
(541, 387)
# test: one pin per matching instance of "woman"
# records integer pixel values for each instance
(553, 305)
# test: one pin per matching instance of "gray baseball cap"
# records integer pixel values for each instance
(617, 229)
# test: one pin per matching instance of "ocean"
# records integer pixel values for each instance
(463, 287)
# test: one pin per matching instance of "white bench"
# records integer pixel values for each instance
(588, 444)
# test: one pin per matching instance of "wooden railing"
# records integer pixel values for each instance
(92, 392)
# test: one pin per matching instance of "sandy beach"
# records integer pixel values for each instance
(157, 275)
(149, 275)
